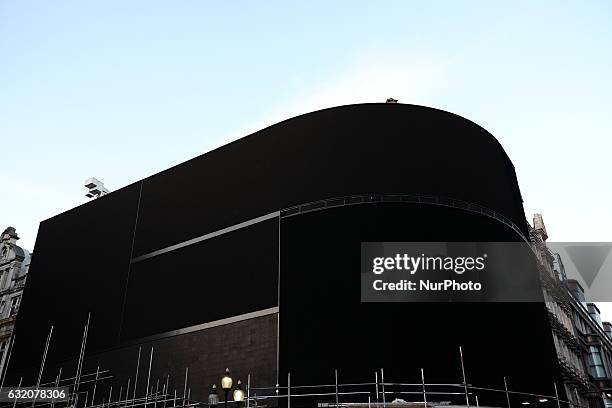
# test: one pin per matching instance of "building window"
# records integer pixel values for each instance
(596, 365)
(4, 252)
(15, 305)
(2, 349)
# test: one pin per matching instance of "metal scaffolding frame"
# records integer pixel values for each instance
(374, 394)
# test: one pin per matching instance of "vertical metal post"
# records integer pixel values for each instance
(278, 300)
(93, 396)
(57, 380)
(477, 403)
(18, 386)
(44, 358)
(136, 377)
(42, 363)
(369, 401)
(185, 388)
(174, 404)
(78, 368)
(507, 395)
(156, 393)
(148, 379)
(288, 390)
(127, 393)
(382, 383)
(423, 382)
(336, 377)
(120, 395)
(77, 380)
(376, 382)
(467, 399)
(110, 395)
(248, 390)
(557, 395)
(166, 389)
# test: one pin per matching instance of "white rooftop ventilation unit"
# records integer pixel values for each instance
(95, 188)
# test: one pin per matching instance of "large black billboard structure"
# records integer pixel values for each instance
(248, 257)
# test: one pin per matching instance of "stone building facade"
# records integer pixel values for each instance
(583, 342)
(14, 265)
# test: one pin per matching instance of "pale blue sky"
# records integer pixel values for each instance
(122, 89)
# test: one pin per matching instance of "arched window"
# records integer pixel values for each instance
(4, 252)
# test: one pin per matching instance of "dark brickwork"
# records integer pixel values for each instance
(246, 347)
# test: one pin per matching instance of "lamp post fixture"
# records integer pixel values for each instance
(238, 393)
(226, 384)
(213, 398)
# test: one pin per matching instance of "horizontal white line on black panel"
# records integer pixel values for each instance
(204, 326)
(204, 237)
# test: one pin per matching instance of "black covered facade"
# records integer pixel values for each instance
(229, 260)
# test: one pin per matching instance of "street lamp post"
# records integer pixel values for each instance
(238, 393)
(213, 398)
(226, 384)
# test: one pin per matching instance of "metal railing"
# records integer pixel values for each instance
(401, 198)
(377, 394)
